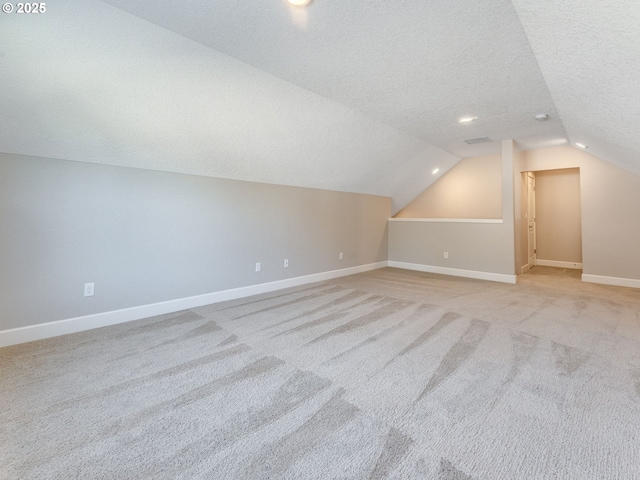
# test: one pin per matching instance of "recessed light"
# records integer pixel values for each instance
(541, 117)
(299, 3)
(467, 119)
(435, 171)
(581, 145)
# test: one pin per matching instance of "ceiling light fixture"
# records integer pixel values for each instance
(299, 3)
(541, 117)
(435, 171)
(581, 145)
(467, 119)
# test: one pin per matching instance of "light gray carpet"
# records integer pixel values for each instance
(389, 374)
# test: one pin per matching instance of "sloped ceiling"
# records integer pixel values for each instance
(589, 54)
(354, 96)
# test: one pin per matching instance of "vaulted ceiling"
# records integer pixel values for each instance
(357, 95)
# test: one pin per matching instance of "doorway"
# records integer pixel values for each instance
(551, 212)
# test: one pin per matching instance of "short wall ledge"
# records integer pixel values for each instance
(449, 220)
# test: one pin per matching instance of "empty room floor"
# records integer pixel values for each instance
(386, 374)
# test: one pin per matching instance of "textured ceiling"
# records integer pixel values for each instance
(589, 53)
(92, 83)
(359, 96)
(415, 65)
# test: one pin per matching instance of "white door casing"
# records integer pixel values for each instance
(531, 218)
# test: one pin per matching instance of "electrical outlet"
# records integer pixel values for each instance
(88, 289)
(341, 255)
(286, 262)
(446, 254)
(258, 267)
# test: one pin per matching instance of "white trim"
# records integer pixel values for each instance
(525, 268)
(78, 324)
(449, 220)
(456, 272)
(557, 263)
(617, 281)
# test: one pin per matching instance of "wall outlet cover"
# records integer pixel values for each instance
(88, 289)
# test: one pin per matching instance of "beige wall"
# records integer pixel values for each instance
(610, 201)
(478, 247)
(471, 246)
(522, 259)
(471, 189)
(520, 222)
(558, 215)
(609, 220)
(145, 236)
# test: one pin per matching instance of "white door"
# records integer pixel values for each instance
(531, 217)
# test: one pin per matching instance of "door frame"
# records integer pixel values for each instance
(528, 212)
(531, 221)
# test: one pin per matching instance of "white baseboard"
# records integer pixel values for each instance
(525, 268)
(556, 263)
(456, 272)
(617, 281)
(78, 324)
